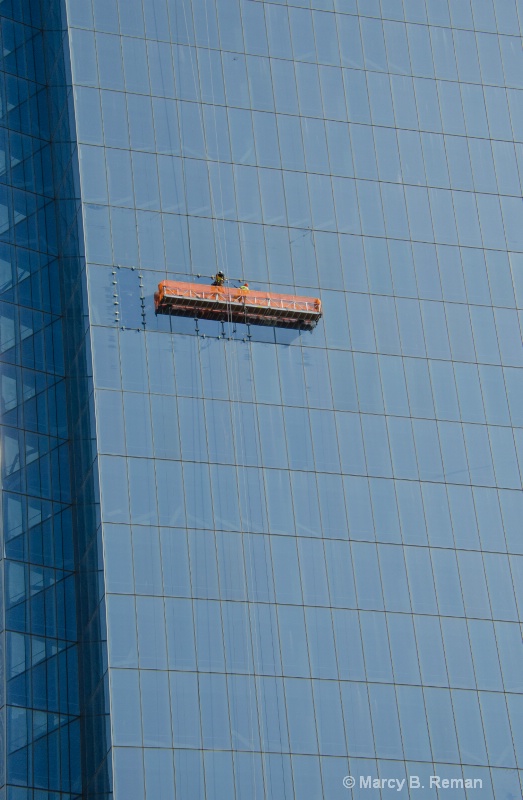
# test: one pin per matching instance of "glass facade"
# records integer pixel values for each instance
(39, 691)
(246, 562)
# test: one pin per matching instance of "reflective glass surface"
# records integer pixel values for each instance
(310, 542)
(40, 751)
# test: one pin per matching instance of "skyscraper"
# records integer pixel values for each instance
(40, 704)
(244, 561)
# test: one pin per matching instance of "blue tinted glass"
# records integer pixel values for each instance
(307, 507)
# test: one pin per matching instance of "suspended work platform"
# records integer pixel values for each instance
(228, 304)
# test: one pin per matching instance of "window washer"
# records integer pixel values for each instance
(219, 279)
(245, 286)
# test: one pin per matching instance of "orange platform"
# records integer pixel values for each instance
(227, 304)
